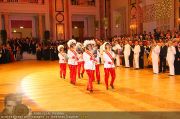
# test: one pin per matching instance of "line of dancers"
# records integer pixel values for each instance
(87, 57)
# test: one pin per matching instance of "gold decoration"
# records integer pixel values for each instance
(163, 9)
(105, 21)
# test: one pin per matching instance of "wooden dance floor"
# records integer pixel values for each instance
(43, 90)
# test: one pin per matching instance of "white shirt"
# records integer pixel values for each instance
(155, 52)
(72, 58)
(116, 47)
(62, 59)
(137, 49)
(127, 49)
(171, 52)
(80, 57)
(108, 63)
(98, 57)
(89, 64)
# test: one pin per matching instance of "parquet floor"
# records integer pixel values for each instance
(43, 90)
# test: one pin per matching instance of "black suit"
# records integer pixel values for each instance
(177, 62)
(163, 55)
(131, 57)
(141, 57)
(1, 56)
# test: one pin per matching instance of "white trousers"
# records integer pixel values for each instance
(126, 58)
(155, 65)
(171, 65)
(136, 60)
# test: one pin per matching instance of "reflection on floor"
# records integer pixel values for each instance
(135, 90)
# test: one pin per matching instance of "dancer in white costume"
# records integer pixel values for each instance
(155, 58)
(171, 57)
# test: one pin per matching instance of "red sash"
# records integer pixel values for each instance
(110, 56)
(90, 54)
(74, 53)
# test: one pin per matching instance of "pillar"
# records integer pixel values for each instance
(6, 22)
(176, 20)
(0, 21)
(47, 22)
(40, 27)
(39, 1)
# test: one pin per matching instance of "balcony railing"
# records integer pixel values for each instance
(83, 2)
(22, 1)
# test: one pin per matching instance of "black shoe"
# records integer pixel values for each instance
(61, 77)
(107, 88)
(91, 91)
(64, 77)
(164, 71)
(112, 86)
(98, 82)
(82, 75)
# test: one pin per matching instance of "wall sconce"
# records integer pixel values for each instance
(179, 20)
(75, 27)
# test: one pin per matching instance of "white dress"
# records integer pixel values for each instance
(170, 59)
(155, 59)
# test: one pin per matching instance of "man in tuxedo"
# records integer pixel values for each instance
(5, 58)
(177, 59)
(162, 55)
(141, 55)
(131, 54)
(1, 55)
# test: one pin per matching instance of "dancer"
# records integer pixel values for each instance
(62, 61)
(171, 52)
(163, 55)
(109, 66)
(127, 50)
(136, 55)
(72, 60)
(96, 54)
(117, 49)
(155, 57)
(79, 49)
(89, 64)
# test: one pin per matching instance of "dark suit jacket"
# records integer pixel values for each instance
(163, 52)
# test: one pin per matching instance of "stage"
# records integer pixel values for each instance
(43, 90)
